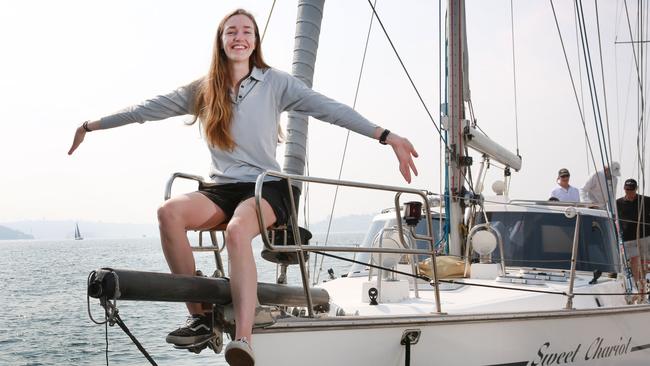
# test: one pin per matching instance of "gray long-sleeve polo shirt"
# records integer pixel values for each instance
(256, 115)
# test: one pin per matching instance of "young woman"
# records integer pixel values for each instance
(238, 104)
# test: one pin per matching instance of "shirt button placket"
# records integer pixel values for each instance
(241, 91)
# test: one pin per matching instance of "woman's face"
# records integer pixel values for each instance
(238, 38)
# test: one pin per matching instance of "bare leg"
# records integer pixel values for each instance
(242, 228)
(175, 217)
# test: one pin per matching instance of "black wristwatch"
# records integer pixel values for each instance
(384, 135)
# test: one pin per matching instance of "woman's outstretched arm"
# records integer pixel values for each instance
(298, 97)
(177, 103)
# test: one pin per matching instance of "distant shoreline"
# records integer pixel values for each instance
(64, 229)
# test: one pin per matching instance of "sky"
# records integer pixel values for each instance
(68, 61)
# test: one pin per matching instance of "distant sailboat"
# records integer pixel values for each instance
(77, 234)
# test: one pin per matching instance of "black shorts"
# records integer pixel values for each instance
(229, 196)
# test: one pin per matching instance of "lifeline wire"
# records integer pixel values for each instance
(426, 278)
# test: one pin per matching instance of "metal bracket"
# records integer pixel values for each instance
(465, 161)
(410, 336)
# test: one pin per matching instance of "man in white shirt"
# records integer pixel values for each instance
(600, 183)
(564, 191)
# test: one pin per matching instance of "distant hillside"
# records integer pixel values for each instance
(64, 229)
(9, 234)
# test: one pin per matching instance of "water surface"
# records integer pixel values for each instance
(44, 319)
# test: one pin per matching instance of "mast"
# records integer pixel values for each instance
(308, 22)
(463, 135)
(455, 157)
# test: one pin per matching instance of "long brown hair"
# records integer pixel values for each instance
(212, 104)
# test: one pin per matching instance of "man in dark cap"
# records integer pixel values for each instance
(564, 191)
(634, 223)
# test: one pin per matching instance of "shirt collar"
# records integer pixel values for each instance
(258, 74)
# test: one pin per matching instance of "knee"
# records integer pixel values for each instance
(168, 214)
(236, 236)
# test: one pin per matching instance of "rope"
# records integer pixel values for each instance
(111, 316)
(514, 74)
(144, 352)
(407, 352)
(345, 147)
(106, 337)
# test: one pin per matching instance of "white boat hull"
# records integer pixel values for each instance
(615, 336)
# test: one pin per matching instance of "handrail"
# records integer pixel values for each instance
(591, 205)
(299, 248)
(574, 253)
(170, 181)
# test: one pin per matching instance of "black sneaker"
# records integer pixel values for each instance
(197, 329)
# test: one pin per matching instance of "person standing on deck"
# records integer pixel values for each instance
(564, 191)
(238, 104)
(634, 223)
(598, 185)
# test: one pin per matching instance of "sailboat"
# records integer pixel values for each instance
(482, 281)
(77, 233)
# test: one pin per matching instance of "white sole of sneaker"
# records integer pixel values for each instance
(239, 357)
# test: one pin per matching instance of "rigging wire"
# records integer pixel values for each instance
(627, 270)
(575, 91)
(408, 75)
(582, 94)
(602, 75)
(347, 138)
(602, 144)
(641, 96)
(441, 142)
(268, 19)
(595, 104)
(514, 74)
(636, 61)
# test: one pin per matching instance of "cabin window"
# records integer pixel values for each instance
(545, 240)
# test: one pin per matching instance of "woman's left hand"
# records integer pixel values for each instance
(405, 153)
